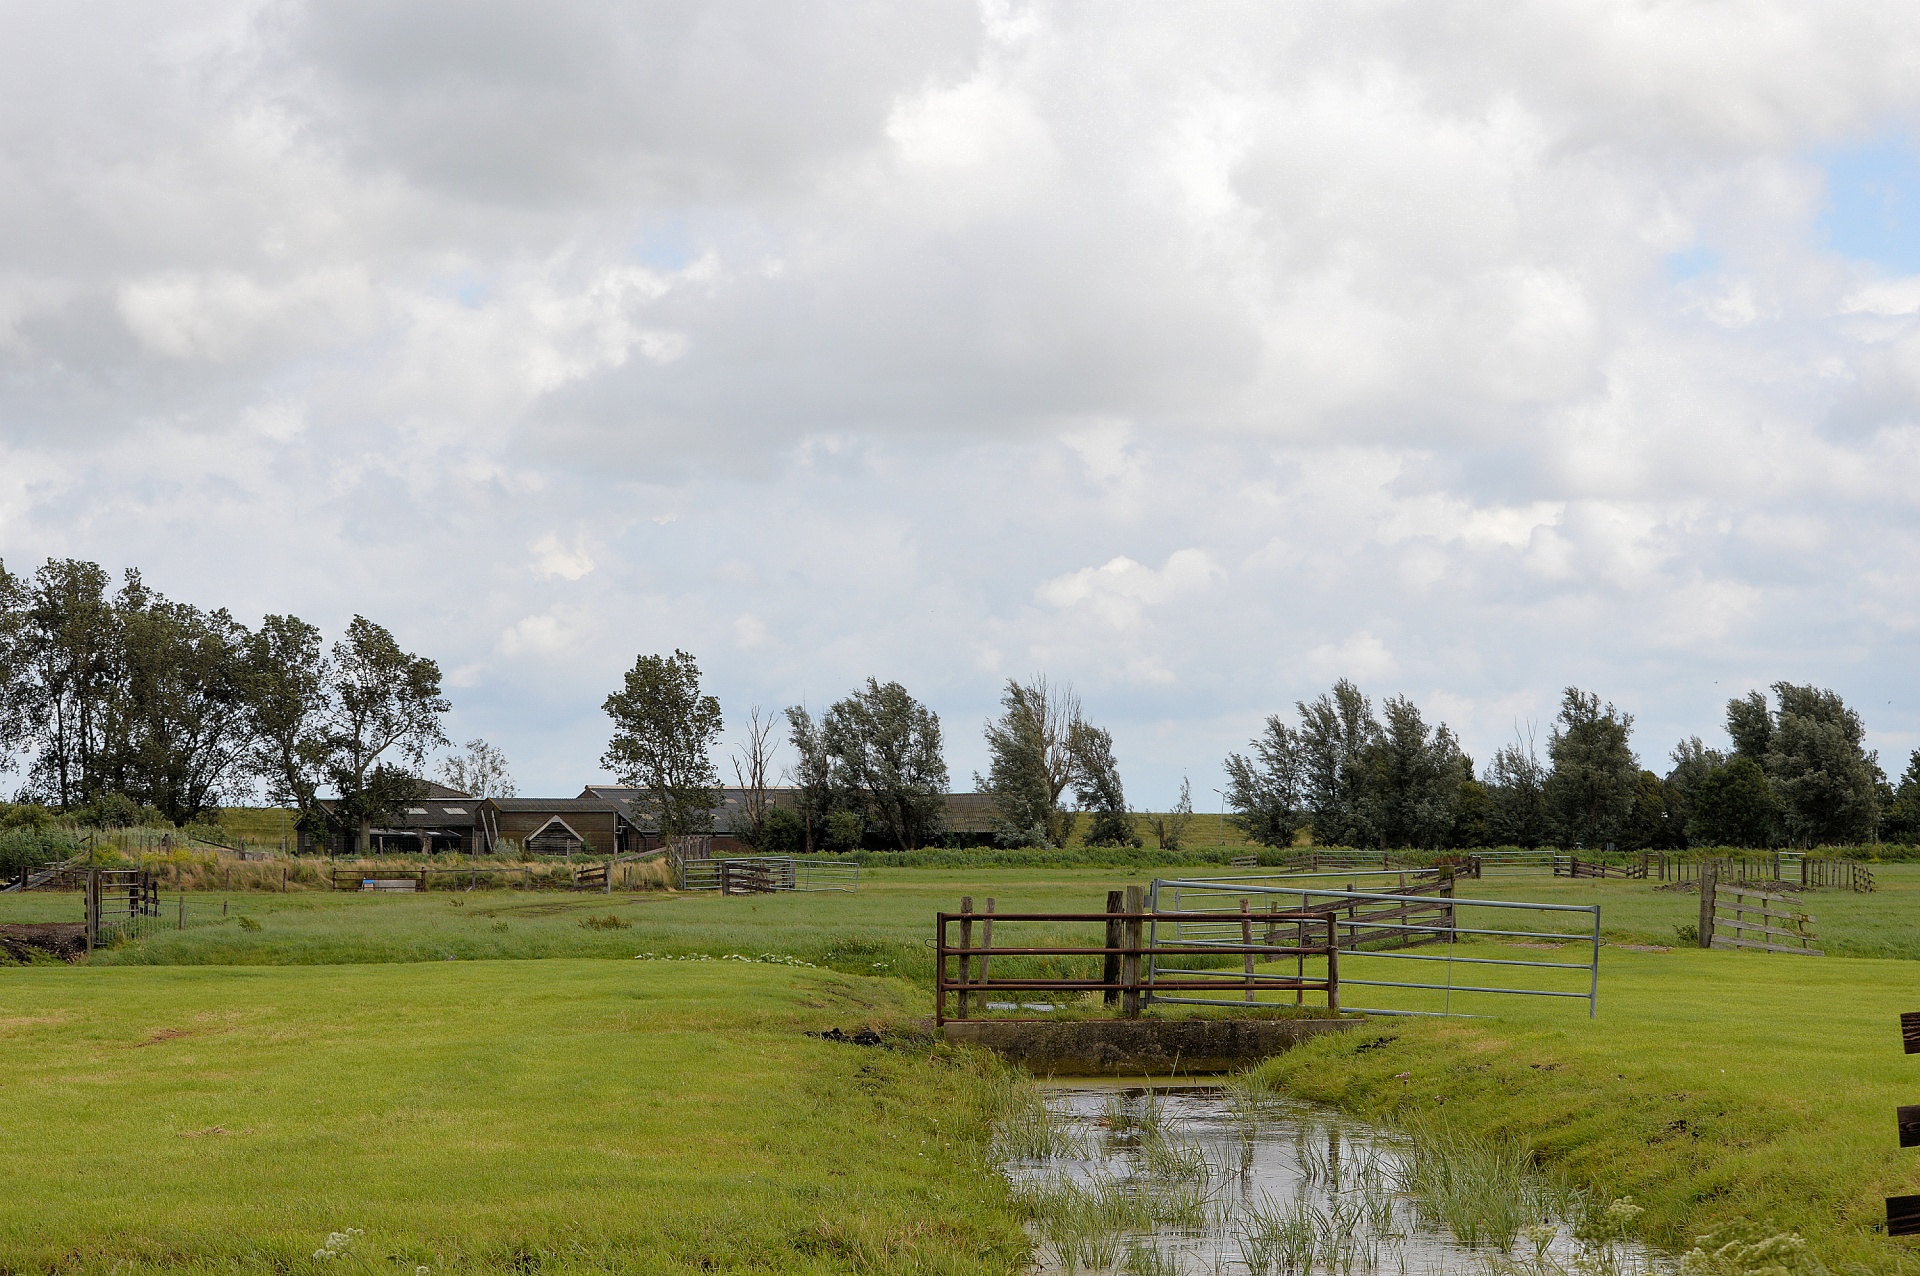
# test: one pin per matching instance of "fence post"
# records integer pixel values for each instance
(1246, 940)
(1709, 880)
(1110, 965)
(1333, 963)
(93, 906)
(966, 943)
(1130, 961)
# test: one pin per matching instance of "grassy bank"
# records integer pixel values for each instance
(1715, 1088)
(559, 1116)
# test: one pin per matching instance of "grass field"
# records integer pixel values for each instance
(598, 1113)
(564, 1115)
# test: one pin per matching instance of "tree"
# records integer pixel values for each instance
(1516, 783)
(885, 747)
(1693, 761)
(1901, 823)
(181, 721)
(1471, 813)
(663, 729)
(1169, 829)
(13, 690)
(382, 701)
(1264, 790)
(1412, 779)
(288, 702)
(480, 772)
(1734, 805)
(67, 655)
(1750, 724)
(1647, 826)
(1595, 776)
(812, 775)
(752, 770)
(1824, 777)
(1097, 787)
(1030, 745)
(1337, 731)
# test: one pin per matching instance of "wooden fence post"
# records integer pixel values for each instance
(1709, 880)
(1110, 967)
(966, 943)
(1130, 961)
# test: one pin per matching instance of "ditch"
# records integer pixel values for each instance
(1229, 1180)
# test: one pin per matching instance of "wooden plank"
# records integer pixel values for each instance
(1728, 924)
(1907, 1117)
(1910, 1031)
(1903, 1216)
(1764, 912)
(1755, 944)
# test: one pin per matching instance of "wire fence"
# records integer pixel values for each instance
(765, 874)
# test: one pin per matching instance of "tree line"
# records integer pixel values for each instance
(1797, 773)
(128, 707)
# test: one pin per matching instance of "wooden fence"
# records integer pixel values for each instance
(1733, 916)
(1123, 974)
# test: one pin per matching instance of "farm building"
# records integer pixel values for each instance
(444, 820)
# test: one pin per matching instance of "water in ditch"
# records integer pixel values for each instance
(1214, 1182)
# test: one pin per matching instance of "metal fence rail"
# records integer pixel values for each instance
(1205, 915)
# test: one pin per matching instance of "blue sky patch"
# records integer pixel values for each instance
(1873, 204)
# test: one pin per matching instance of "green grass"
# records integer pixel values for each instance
(1713, 1087)
(559, 1115)
(449, 1102)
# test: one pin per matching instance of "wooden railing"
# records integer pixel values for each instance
(1123, 975)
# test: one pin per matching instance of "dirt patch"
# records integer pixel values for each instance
(165, 1034)
(1643, 948)
(212, 1132)
(23, 941)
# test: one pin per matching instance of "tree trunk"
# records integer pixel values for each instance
(363, 837)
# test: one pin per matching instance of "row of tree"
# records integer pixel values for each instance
(1798, 773)
(869, 768)
(125, 699)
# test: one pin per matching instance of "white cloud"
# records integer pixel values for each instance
(885, 317)
(568, 562)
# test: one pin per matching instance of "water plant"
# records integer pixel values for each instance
(1482, 1189)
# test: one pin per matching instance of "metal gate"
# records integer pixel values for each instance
(1377, 926)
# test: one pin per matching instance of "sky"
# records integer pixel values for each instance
(1197, 355)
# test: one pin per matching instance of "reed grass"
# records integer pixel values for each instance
(1483, 1189)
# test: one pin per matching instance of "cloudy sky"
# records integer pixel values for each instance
(1198, 354)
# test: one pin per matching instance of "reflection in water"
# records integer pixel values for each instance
(1192, 1181)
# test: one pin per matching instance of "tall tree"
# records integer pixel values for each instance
(1337, 733)
(885, 747)
(1734, 805)
(1818, 765)
(1097, 787)
(13, 658)
(1033, 763)
(1595, 776)
(1170, 828)
(1413, 775)
(1693, 761)
(1264, 789)
(289, 702)
(1516, 782)
(182, 719)
(812, 776)
(479, 772)
(663, 731)
(384, 702)
(1901, 823)
(753, 774)
(68, 672)
(1750, 725)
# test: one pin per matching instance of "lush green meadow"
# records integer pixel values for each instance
(506, 1115)
(293, 1064)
